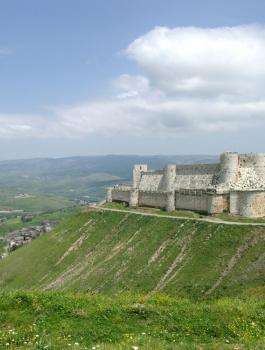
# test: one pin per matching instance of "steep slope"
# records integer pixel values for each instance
(110, 252)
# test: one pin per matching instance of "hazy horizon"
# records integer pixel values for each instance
(113, 155)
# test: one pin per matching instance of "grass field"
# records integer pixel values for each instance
(61, 321)
(35, 202)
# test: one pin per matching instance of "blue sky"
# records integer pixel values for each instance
(62, 61)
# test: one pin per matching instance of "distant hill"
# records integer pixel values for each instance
(67, 179)
(111, 252)
(118, 165)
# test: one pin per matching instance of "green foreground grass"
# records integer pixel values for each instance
(38, 320)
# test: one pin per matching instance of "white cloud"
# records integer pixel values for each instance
(131, 85)
(17, 125)
(192, 79)
(206, 62)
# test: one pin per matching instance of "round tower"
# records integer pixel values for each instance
(169, 177)
(170, 201)
(252, 203)
(228, 167)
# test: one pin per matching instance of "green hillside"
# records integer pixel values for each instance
(112, 252)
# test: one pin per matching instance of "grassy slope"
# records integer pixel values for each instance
(61, 321)
(113, 252)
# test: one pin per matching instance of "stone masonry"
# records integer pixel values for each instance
(236, 185)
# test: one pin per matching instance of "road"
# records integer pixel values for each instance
(204, 219)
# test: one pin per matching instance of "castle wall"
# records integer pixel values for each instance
(121, 195)
(248, 203)
(235, 203)
(150, 182)
(218, 203)
(172, 177)
(191, 202)
(197, 169)
(198, 176)
(202, 201)
(134, 198)
(153, 199)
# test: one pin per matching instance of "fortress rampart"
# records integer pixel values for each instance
(235, 185)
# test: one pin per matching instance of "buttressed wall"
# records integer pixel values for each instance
(236, 184)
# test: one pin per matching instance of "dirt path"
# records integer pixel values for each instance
(208, 219)
(251, 242)
(177, 264)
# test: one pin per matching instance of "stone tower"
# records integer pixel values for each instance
(137, 173)
(228, 167)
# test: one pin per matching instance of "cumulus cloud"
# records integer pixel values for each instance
(203, 62)
(192, 79)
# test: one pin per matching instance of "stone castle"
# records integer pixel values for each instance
(236, 185)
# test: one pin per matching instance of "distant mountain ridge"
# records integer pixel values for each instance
(117, 164)
(73, 177)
